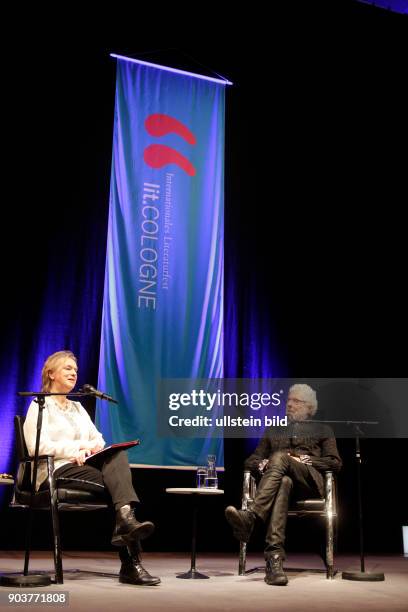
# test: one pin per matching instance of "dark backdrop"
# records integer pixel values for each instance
(315, 240)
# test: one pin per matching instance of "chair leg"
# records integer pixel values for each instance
(242, 558)
(330, 518)
(329, 546)
(59, 575)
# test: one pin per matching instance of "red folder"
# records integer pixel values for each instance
(101, 455)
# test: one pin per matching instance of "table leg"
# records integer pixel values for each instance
(193, 573)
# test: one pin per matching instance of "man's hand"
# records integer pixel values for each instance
(302, 459)
(262, 465)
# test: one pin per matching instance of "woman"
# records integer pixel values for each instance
(70, 436)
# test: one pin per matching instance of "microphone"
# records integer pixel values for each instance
(92, 391)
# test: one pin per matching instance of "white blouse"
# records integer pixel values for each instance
(64, 431)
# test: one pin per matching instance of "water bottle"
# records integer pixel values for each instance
(211, 479)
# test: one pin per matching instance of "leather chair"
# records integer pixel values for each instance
(325, 508)
(60, 495)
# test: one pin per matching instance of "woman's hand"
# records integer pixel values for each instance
(96, 448)
(92, 446)
(81, 455)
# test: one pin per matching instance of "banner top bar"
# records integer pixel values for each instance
(175, 70)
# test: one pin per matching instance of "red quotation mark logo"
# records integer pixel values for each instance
(158, 155)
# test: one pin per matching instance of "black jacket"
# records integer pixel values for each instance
(301, 438)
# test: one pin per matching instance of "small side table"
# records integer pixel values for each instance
(196, 493)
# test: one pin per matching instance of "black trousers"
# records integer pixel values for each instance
(114, 474)
(283, 477)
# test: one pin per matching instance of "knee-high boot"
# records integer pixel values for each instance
(275, 536)
(276, 525)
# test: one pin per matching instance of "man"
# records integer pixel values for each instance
(286, 464)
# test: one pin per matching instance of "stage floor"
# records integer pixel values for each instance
(225, 590)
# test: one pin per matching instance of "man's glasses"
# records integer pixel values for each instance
(296, 401)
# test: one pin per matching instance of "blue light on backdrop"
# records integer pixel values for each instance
(399, 6)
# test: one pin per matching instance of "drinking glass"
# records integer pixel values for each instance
(201, 477)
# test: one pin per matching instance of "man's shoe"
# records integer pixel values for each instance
(274, 571)
(128, 529)
(241, 521)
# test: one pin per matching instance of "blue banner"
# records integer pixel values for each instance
(163, 297)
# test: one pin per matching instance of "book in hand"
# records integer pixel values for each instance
(100, 456)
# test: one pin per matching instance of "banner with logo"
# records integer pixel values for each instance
(163, 297)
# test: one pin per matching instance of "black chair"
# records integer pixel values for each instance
(325, 508)
(60, 495)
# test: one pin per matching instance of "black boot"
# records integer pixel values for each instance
(129, 530)
(132, 571)
(241, 521)
(274, 571)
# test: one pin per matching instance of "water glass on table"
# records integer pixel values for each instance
(201, 477)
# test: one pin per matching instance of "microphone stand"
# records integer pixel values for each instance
(26, 579)
(362, 575)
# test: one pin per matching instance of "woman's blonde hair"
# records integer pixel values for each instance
(50, 365)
